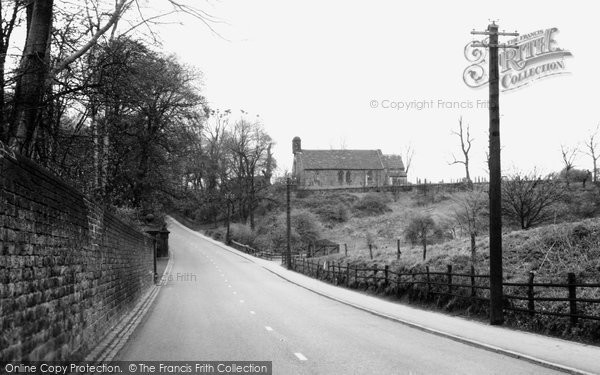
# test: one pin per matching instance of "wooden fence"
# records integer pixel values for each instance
(257, 253)
(572, 299)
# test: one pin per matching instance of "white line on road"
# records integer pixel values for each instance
(241, 301)
(229, 286)
(300, 356)
(268, 328)
(252, 312)
(234, 292)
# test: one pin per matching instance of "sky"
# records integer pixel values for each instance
(330, 71)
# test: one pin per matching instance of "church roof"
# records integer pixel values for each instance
(341, 159)
(392, 161)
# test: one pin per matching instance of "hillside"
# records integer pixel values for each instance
(549, 250)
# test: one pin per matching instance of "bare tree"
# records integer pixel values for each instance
(568, 157)
(39, 70)
(465, 146)
(529, 199)
(249, 147)
(10, 17)
(470, 215)
(591, 149)
(407, 157)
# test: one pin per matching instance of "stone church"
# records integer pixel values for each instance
(338, 169)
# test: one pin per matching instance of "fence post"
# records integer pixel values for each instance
(334, 274)
(347, 275)
(375, 275)
(371, 251)
(573, 297)
(346, 249)
(473, 289)
(428, 282)
(318, 267)
(449, 279)
(332, 267)
(386, 272)
(530, 294)
(398, 252)
(356, 275)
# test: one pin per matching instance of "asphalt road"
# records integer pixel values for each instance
(219, 306)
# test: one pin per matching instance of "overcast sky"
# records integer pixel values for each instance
(313, 68)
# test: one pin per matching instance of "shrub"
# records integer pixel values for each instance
(421, 230)
(337, 213)
(305, 224)
(421, 227)
(271, 234)
(242, 233)
(372, 204)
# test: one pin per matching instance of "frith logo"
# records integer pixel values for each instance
(538, 56)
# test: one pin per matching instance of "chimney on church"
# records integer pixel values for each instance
(296, 145)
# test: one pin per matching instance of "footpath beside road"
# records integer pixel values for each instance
(558, 354)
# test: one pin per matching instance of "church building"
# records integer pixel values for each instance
(338, 169)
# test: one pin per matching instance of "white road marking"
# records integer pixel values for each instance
(300, 356)
(268, 328)
(229, 286)
(241, 301)
(234, 292)
(252, 312)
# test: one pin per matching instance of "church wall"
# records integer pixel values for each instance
(331, 179)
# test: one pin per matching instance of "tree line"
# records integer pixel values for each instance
(91, 97)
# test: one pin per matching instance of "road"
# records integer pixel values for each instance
(221, 306)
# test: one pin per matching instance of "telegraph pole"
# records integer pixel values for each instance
(289, 226)
(495, 189)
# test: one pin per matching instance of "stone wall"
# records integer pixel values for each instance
(331, 178)
(68, 269)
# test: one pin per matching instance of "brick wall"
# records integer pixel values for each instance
(68, 269)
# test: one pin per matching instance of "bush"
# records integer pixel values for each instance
(583, 205)
(420, 229)
(337, 213)
(305, 224)
(271, 234)
(242, 233)
(372, 204)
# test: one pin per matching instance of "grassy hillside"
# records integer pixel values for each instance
(550, 250)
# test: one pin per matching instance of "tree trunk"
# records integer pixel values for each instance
(33, 72)
(468, 175)
(424, 248)
(473, 250)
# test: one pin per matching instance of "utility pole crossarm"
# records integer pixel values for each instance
(487, 45)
